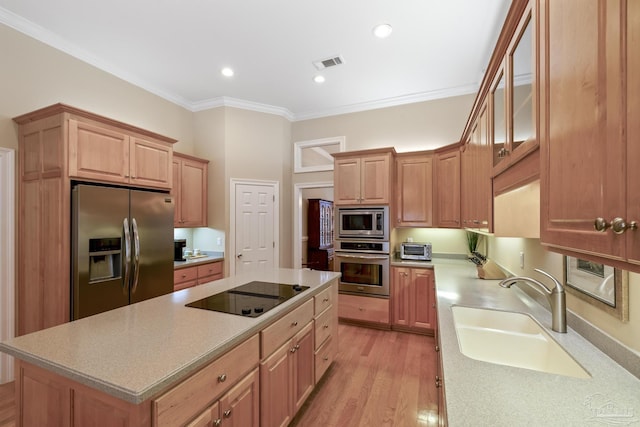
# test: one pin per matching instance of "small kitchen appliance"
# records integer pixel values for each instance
(415, 251)
(178, 249)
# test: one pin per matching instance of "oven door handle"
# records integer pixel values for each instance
(382, 258)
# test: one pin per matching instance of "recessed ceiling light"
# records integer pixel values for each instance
(318, 79)
(227, 72)
(382, 30)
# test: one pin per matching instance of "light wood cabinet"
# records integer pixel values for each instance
(364, 309)
(363, 177)
(287, 378)
(239, 407)
(447, 188)
(57, 144)
(190, 191)
(414, 190)
(413, 299)
(187, 277)
(475, 183)
(589, 130)
(326, 330)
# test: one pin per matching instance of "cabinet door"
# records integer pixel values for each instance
(374, 179)
(582, 150)
(193, 193)
(422, 303)
(98, 153)
(448, 189)
(176, 191)
(347, 181)
(151, 163)
(414, 189)
(633, 128)
(240, 406)
(303, 366)
(209, 418)
(400, 295)
(275, 388)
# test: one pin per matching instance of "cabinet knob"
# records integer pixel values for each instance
(325, 300)
(601, 224)
(227, 413)
(217, 423)
(294, 323)
(619, 225)
(325, 358)
(297, 346)
(222, 378)
(292, 349)
(325, 326)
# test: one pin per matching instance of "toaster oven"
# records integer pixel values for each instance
(415, 251)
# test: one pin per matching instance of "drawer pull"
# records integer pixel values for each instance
(325, 300)
(294, 324)
(222, 378)
(227, 413)
(184, 275)
(325, 326)
(325, 358)
(361, 308)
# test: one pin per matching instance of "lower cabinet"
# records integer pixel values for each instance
(197, 275)
(413, 299)
(363, 309)
(287, 379)
(239, 407)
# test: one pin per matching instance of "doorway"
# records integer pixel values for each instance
(303, 192)
(7, 258)
(254, 230)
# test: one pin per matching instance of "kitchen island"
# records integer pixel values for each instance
(131, 362)
(487, 394)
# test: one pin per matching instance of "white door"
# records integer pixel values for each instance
(255, 243)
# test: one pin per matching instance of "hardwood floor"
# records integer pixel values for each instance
(7, 405)
(379, 378)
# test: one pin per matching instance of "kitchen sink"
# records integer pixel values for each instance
(512, 339)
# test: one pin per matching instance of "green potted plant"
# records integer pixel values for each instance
(472, 241)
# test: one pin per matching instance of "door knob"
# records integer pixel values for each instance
(239, 256)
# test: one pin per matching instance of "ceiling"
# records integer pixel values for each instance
(176, 48)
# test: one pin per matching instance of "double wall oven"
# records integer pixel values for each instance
(362, 250)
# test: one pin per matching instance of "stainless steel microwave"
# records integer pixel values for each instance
(363, 222)
(415, 251)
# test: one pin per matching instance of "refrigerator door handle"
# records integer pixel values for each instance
(127, 256)
(136, 255)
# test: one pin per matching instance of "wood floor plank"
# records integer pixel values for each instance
(379, 378)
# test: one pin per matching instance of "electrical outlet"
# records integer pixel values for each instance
(219, 241)
(522, 260)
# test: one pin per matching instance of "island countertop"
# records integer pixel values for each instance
(137, 351)
(482, 393)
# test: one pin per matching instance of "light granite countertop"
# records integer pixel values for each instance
(138, 351)
(486, 394)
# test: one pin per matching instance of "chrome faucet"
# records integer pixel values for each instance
(556, 297)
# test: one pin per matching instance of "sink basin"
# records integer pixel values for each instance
(512, 339)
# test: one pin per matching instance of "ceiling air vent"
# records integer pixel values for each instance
(329, 62)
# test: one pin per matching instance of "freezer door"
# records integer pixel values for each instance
(152, 244)
(99, 250)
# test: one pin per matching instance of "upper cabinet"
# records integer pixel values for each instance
(189, 191)
(414, 189)
(100, 152)
(447, 188)
(590, 80)
(512, 97)
(363, 177)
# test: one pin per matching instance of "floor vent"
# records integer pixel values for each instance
(329, 62)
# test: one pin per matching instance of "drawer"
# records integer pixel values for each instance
(324, 357)
(184, 285)
(368, 309)
(323, 300)
(324, 326)
(210, 269)
(185, 275)
(207, 279)
(194, 394)
(274, 335)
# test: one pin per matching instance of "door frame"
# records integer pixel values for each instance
(7, 258)
(234, 182)
(297, 217)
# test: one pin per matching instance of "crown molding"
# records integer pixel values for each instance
(226, 101)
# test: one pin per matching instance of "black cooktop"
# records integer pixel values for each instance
(251, 299)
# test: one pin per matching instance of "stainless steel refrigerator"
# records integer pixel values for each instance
(122, 247)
